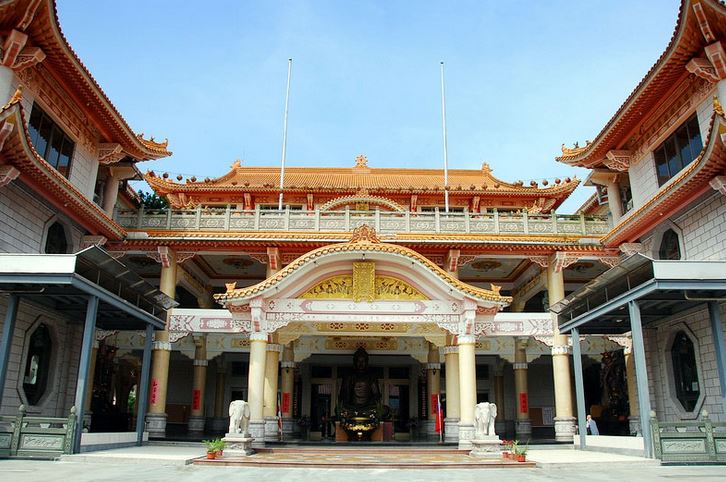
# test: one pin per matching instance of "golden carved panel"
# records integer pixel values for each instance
(363, 327)
(364, 281)
(353, 343)
(384, 288)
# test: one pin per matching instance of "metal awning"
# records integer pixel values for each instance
(64, 282)
(661, 288)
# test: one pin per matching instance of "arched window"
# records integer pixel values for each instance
(37, 366)
(56, 241)
(685, 371)
(669, 246)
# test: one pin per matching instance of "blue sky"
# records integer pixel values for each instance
(522, 77)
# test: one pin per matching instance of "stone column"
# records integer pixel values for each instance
(287, 387)
(634, 418)
(524, 425)
(156, 418)
(199, 381)
(615, 202)
(219, 422)
(453, 402)
(467, 389)
(270, 392)
(433, 387)
(87, 414)
(500, 424)
(256, 385)
(564, 418)
(110, 194)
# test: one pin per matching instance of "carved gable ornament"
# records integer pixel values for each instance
(364, 234)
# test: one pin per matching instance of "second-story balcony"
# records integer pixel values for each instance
(233, 220)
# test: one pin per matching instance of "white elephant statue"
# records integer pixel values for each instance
(485, 414)
(239, 417)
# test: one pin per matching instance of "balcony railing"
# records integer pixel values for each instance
(493, 222)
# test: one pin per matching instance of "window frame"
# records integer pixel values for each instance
(51, 387)
(670, 143)
(670, 393)
(45, 149)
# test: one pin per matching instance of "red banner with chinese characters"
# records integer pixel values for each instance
(154, 390)
(196, 399)
(434, 403)
(285, 403)
(523, 403)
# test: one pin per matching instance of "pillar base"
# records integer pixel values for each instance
(634, 425)
(428, 430)
(565, 428)
(524, 429)
(196, 424)
(289, 427)
(219, 424)
(156, 425)
(272, 430)
(466, 435)
(257, 432)
(451, 430)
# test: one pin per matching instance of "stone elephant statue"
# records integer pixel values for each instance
(485, 414)
(239, 417)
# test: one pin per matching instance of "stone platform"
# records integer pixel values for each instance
(363, 457)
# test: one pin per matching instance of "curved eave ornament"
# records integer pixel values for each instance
(364, 241)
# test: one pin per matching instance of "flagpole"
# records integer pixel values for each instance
(446, 148)
(284, 134)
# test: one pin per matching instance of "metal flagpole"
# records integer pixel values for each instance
(446, 148)
(284, 134)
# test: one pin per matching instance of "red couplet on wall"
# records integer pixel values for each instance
(154, 390)
(196, 399)
(434, 403)
(523, 403)
(285, 403)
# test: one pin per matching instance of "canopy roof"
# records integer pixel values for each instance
(63, 282)
(662, 288)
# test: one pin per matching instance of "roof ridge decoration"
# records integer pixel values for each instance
(364, 234)
(361, 162)
(363, 239)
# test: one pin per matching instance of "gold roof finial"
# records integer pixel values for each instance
(16, 97)
(236, 164)
(361, 161)
(717, 107)
(496, 289)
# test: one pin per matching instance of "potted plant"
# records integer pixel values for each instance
(220, 447)
(507, 444)
(515, 448)
(522, 452)
(211, 448)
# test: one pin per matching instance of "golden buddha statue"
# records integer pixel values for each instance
(360, 399)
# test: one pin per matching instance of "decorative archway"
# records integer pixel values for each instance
(362, 199)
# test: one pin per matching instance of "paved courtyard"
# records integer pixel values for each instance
(173, 463)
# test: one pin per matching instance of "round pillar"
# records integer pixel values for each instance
(156, 417)
(199, 380)
(270, 391)
(467, 389)
(453, 402)
(524, 425)
(564, 415)
(433, 389)
(287, 387)
(256, 384)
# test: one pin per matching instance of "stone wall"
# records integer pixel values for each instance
(66, 341)
(704, 228)
(658, 340)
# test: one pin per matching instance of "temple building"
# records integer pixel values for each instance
(447, 295)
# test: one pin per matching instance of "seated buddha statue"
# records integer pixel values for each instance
(360, 399)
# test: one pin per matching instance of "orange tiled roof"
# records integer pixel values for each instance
(687, 42)
(267, 179)
(688, 184)
(362, 243)
(18, 151)
(45, 32)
